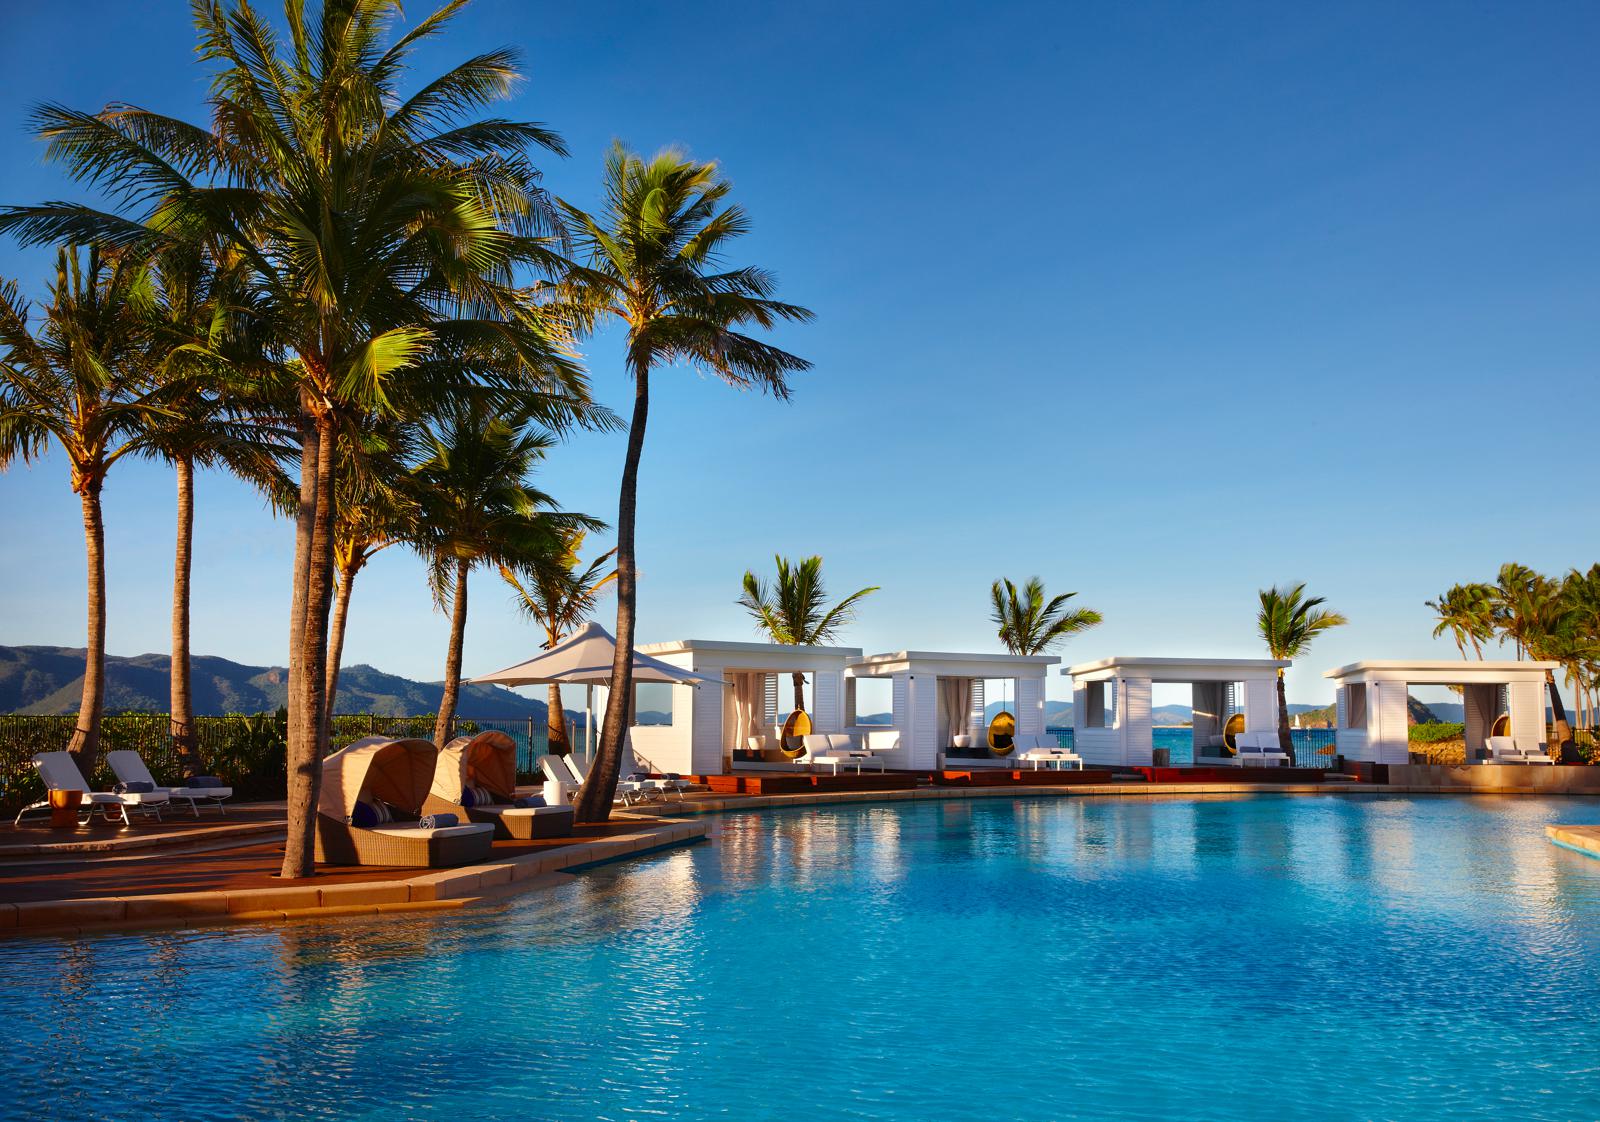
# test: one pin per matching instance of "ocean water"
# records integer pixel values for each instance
(1345, 957)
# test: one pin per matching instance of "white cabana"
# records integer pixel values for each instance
(585, 658)
(1372, 719)
(705, 729)
(939, 703)
(1111, 705)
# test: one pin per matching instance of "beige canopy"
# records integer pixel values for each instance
(397, 771)
(488, 759)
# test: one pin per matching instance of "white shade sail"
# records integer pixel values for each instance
(585, 660)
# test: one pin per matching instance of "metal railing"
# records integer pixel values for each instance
(1313, 748)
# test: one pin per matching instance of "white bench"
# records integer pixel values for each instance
(1505, 750)
(1044, 748)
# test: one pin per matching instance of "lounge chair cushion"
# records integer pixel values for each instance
(197, 782)
(406, 829)
(370, 812)
(527, 802)
(137, 787)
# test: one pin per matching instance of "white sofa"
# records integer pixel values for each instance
(1043, 748)
(831, 749)
(1505, 750)
(1259, 749)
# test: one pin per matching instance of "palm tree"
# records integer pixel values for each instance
(1581, 591)
(1528, 608)
(1288, 623)
(556, 594)
(375, 506)
(1466, 612)
(478, 508)
(1028, 625)
(79, 381)
(217, 415)
(652, 260)
(792, 610)
(385, 235)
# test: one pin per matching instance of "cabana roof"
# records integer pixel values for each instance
(951, 664)
(1177, 669)
(1442, 672)
(751, 656)
(399, 772)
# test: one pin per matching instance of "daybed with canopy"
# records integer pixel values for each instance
(476, 779)
(371, 801)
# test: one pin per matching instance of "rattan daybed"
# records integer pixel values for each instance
(476, 780)
(397, 774)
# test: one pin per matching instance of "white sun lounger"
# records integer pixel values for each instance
(130, 767)
(1505, 750)
(60, 773)
(563, 777)
(1044, 748)
(1259, 749)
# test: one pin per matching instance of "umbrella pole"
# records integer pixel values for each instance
(588, 727)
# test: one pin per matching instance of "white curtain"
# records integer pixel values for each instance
(749, 706)
(955, 699)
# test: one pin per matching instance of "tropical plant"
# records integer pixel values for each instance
(218, 413)
(375, 506)
(1531, 611)
(793, 609)
(479, 508)
(1466, 612)
(1288, 622)
(557, 595)
(1028, 625)
(651, 259)
(387, 236)
(78, 380)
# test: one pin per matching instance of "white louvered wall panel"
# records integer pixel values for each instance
(924, 721)
(1030, 706)
(1134, 720)
(827, 698)
(976, 719)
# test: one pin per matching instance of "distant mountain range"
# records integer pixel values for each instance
(50, 680)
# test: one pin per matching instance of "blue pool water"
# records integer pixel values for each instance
(1331, 958)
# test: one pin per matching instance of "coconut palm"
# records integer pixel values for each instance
(1581, 591)
(375, 507)
(1288, 622)
(557, 595)
(1466, 612)
(218, 414)
(793, 609)
(652, 261)
(478, 508)
(386, 234)
(1529, 609)
(78, 380)
(1028, 625)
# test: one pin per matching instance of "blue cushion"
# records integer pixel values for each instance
(530, 801)
(199, 781)
(468, 799)
(438, 821)
(137, 787)
(364, 815)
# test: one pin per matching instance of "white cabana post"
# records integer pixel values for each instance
(1111, 705)
(1371, 714)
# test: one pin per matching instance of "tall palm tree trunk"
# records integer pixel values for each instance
(1558, 713)
(85, 742)
(1285, 737)
(341, 612)
(594, 805)
(452, 659)
(556, 723)
(184, 740)
(309, 644)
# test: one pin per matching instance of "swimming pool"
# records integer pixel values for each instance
(1327, 958)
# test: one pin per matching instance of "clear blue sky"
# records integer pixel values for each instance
(1162, 302)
